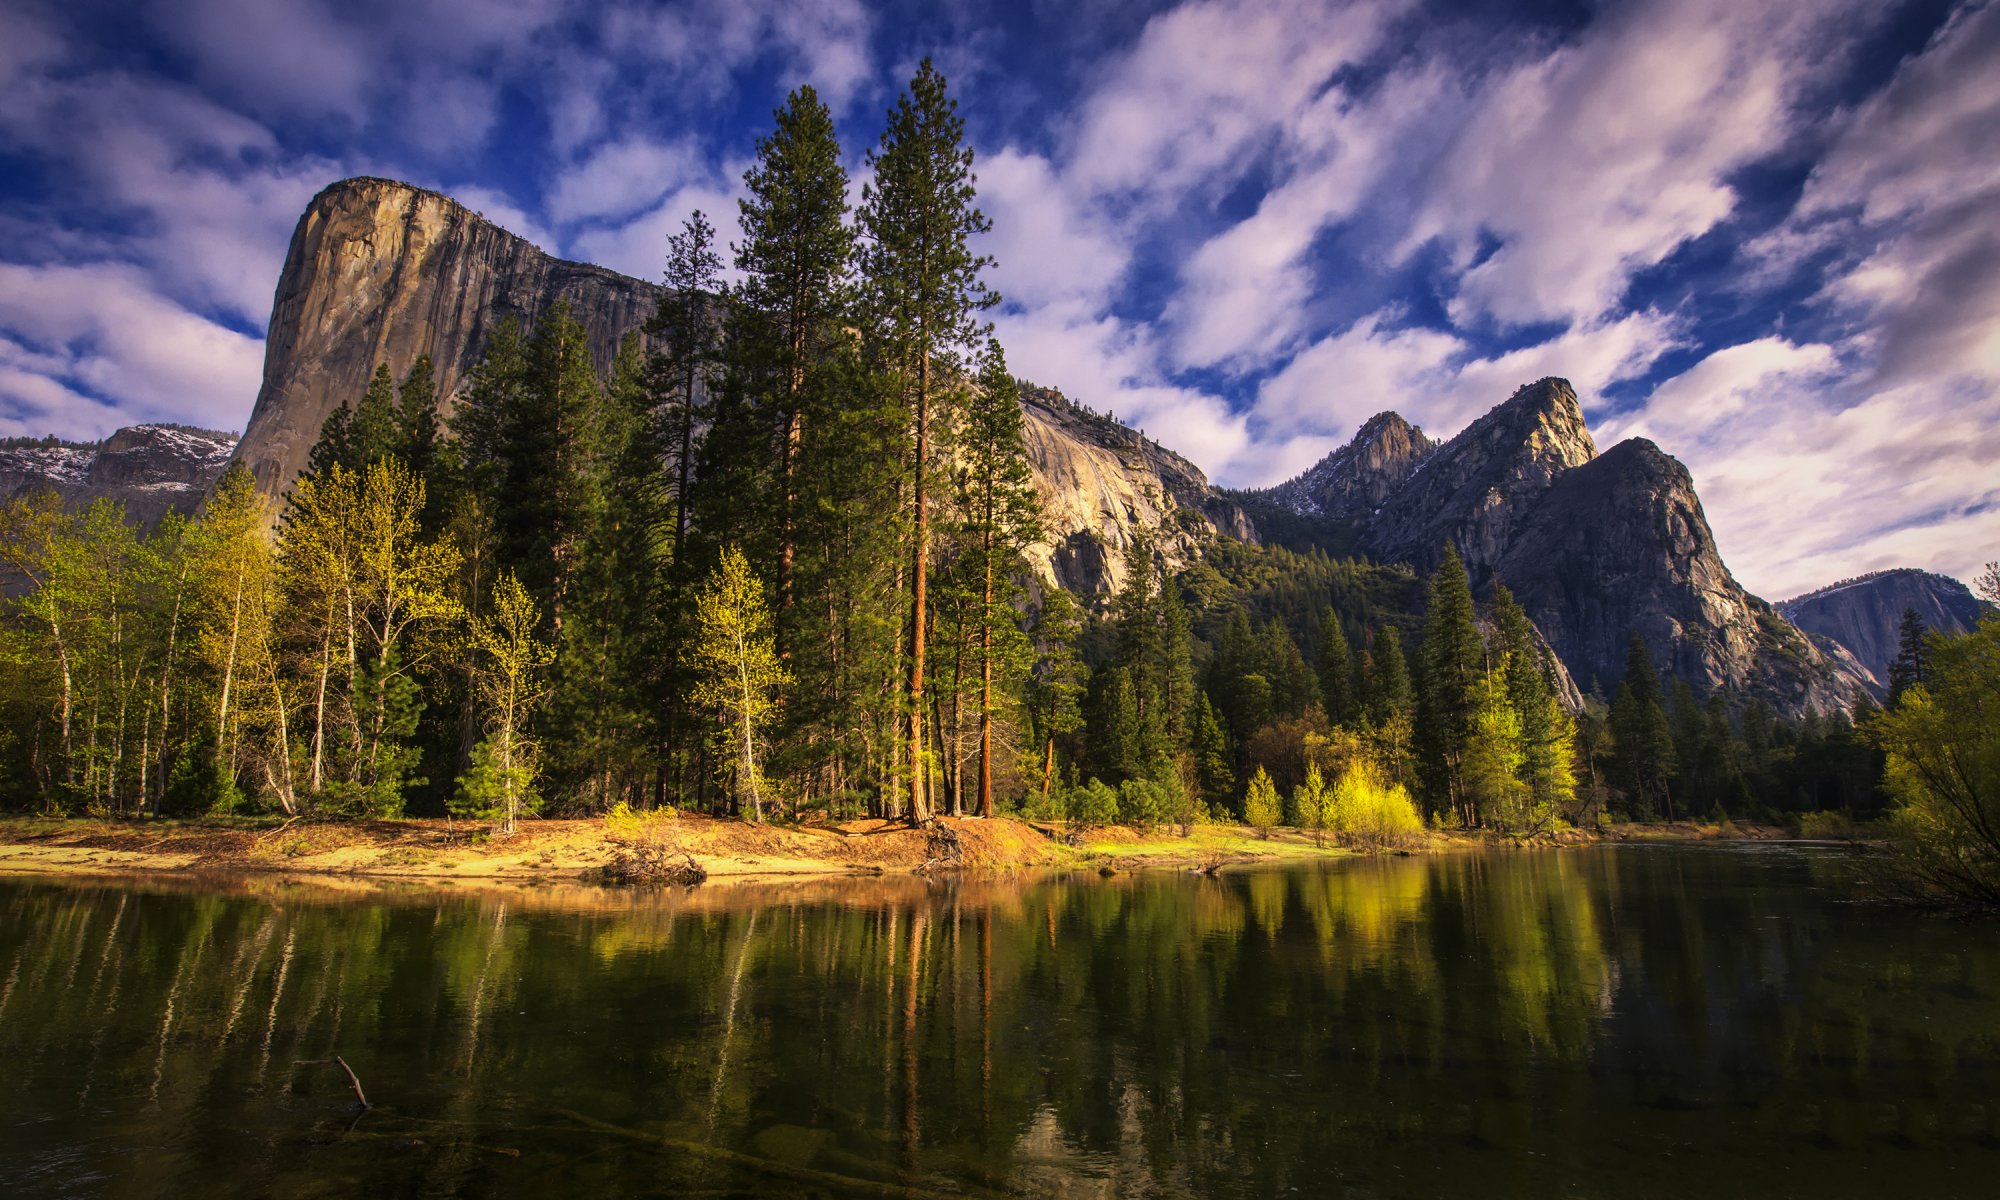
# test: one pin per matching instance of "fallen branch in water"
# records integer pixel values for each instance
(352, 1078)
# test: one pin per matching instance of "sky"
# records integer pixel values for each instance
(1765, 235)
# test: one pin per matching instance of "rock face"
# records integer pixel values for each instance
(1594, 547)
(380, 271)
(1471, 490)
(1864, 616)
(1355, 481)
(150, 469)
(383, 272)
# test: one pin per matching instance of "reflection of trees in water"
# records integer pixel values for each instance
(1152, 1034)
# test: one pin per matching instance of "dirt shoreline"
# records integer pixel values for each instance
(568, 851)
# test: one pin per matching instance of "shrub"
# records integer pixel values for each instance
(1368, 810)
(1260, 803)
(1093, 803)
(1142, 803)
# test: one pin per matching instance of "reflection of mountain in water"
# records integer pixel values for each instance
(1533, 1022)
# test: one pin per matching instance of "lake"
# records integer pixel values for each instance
(1624, 1021)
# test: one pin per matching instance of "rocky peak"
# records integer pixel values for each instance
(150, 469)
(1355, 480)
(1471, 489)
(1864, 615)
(1620, 544)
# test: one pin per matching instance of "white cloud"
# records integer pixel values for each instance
(1047, 246)
(638, 247)
(1601, 158)
(620, 178)
(1208, 83)
(98, 330)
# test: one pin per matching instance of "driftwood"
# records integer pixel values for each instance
(944, 850)
(352, 1079)
(641, 863)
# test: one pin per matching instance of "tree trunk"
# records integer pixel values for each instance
(919, 565)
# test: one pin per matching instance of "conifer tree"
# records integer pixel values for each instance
(1217, 779)
(1907, 671)
(1389, 690)
(922, 295)
(1003, 516)
(1548, 734)
(685, 327)
(1336, 670)
(795, 257)
(417, 423)
(1642, 737)
(1454, 658)
(1056, 686)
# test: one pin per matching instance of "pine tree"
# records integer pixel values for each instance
(1641, 734)
(1453, 661)
(1907, 671)
(737, 670)
(795, 257)
(376, 430)
(1548, 734)
(1495, 751)
(1389, 691)
(922, 295)
(417, 425)
(685, 326)
(1336, 670)
(1056, 686)
(1003, 517)
(1213, 772)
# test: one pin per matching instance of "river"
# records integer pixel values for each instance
(1626, 1021)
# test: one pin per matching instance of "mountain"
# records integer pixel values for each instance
(1864, 615)
(1593, 546)
(384, 272)
(151, 469)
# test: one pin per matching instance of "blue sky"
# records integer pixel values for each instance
(1766, 235)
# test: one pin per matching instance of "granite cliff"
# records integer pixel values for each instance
(383, 272)
(1864, 616)
(150, 469)
(1593, 546)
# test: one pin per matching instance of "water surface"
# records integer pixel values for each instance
(1616, 1021)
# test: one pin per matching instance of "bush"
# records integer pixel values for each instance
(1368, 810)
(1093, 803)
(1142, 803)
(1260, 803)
(1830, 826)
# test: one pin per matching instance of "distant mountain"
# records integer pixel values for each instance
(1864, 615)
(150, 469)
(383, 272)
(1594, 546)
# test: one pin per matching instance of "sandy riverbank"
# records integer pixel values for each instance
(568, 850)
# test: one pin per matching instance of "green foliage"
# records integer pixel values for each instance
(1143, 803)
(737, 672)
(1367, 810)
(1093, 804)
(1942, 738)
(1311, 802)
(1260, 804)
(1453, 662)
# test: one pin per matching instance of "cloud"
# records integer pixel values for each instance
(1207, 84)
(1047, 245)
(638, 247)
(93, 347)
(622, 177)
(1248, 292)
(1600, 158)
